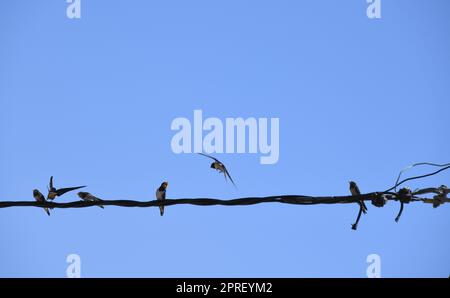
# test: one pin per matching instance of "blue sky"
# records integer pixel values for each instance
(91, 102)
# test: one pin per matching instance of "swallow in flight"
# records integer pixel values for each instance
(219, 166)
(53, 192)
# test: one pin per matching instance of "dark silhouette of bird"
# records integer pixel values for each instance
(53, 192)
(219, 166)
(85, 196)
(39, 197)
(161, 195)
(354, 189)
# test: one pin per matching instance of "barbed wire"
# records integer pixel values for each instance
(378, 199)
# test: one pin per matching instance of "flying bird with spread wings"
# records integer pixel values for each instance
(53, 192)
(219, 166)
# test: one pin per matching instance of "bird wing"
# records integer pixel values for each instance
(51, 182)
(225, 169)
(209, 156)
(160, 195)
(91, 197)
(228, 174)
(39, 196)
(62, 191)
(96, 198)
(357, 190)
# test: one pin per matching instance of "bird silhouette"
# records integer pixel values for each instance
(53, 192)
(219, 166)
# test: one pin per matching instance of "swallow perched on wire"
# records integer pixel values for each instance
(85, 196)
(53, 192)
(219, 166)
(354, 189)
(161, 195)
(39, 197)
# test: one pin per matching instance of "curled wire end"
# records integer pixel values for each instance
(355, 225)
(400, 212)
(405, 196)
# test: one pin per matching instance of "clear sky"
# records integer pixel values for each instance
(91, 102)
